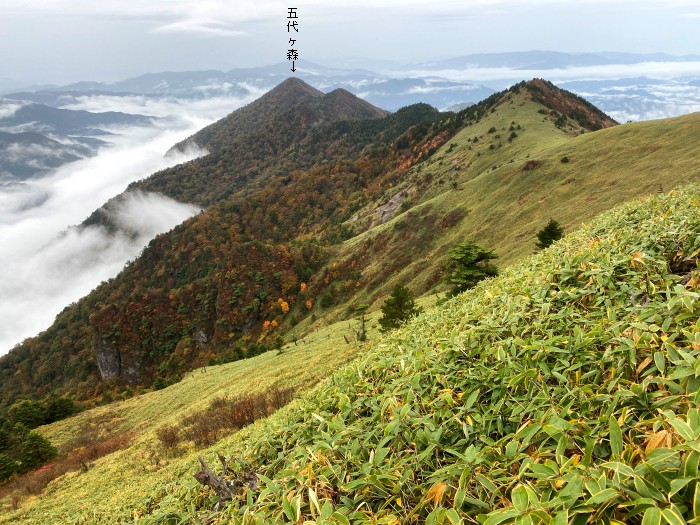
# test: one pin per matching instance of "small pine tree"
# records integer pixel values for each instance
(550, 233)
(398, 308)
(469, 264)
(361, 311)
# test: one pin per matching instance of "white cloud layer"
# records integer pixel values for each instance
(206, 26)
(10, 107)
(44, 263)
(200, 111)
(662, 70)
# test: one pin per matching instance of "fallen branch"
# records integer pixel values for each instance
(225, 489)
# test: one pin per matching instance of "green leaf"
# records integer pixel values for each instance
(519, 498)
(619, 468)
(660, 362)
(646, 490)
(326, 510)
(678, 484)
(615, 438)
(501, 516)
(572, 490)
(681, 426)
(314, 501)
(660, 480)
(690, 464)
(561, 518)
(673, 516)
(652, 516)
(471, 399)
(340, 518)
(453, 516)
(603, 496)
(524, 520)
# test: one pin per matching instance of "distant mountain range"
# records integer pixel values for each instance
(50, 120)
(37, 138)
(28, 154)
(387, 92)
(445, 83)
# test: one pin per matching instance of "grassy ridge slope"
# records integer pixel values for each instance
(517, 387)
(125, 481)
(468, 190)
(564, 391)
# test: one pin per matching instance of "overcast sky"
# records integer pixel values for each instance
(67, 40)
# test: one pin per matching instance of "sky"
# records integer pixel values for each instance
(61, 41)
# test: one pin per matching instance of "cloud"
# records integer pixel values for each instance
(246, 10)
(661, 70)
(197, 112)
(194, 25)
(45, 264)
(646, 102)
(9, 107)
(149, 214)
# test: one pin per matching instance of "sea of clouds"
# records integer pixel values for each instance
(46, 263)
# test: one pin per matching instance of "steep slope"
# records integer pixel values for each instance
(563, 390)
(310, 243)
(215, 288)
(498, 181)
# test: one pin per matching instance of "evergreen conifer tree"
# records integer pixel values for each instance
(550, 233)
(398, 308)
(469, 264)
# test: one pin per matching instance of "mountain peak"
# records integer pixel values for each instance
(291, 90)
(567, 103)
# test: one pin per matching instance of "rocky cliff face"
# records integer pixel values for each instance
(112, 364)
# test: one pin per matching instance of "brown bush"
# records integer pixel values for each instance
(531, 165)
(225, 415)
(169, 436)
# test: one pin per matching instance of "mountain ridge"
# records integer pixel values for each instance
(204, 291)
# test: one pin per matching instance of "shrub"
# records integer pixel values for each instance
(35, 451)
(169, 436)
(30, 413)
(550, 233)
(225, 415)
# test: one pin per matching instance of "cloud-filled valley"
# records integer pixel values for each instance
(46, 262)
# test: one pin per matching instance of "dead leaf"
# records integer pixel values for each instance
(436, 493)
(644, 364)
(662, 439)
